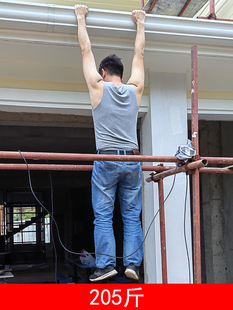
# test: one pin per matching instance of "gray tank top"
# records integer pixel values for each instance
(115, 118)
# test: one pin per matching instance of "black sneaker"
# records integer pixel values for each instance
(101, 274)
(132, 271)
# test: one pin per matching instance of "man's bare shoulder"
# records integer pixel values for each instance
(96, 93)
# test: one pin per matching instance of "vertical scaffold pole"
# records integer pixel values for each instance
(162, 231)
(212, 6)
(143, 4)
(212, 10)
(195, 174)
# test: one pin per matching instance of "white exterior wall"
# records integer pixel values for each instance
(167, 117)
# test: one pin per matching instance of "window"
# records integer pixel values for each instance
(1, 221)
(20, 217)
(26, 223)
(47, 228)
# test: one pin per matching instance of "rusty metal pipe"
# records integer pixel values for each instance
(46, 167)
(188, 167)
(143, 4)
(162, 231)
(156, 168)
(57, 167)
(212, 14)
(97, 157)
(194, 100)
(220, 160)
(195, 175)
(86, 157)
(216, 170)
(212, 6)
(202, 170)
(152, 6)
(219, 19)
(184, 7)
(196, 226)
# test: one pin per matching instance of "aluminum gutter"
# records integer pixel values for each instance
(60, 20)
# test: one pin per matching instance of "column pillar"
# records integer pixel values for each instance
(164, 128)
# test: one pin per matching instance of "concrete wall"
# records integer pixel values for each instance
(216, 205)
(165, 127)
(227, 151)
(212, 205)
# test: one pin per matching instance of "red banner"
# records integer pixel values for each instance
(115, 296)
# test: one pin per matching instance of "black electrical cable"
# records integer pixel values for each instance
(93, 253)
(40, 203)
(148, 229)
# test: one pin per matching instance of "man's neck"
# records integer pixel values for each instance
(114, 79)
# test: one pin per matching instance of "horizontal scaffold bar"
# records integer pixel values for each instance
(57, 167)
(86, 157)
(96, 157)
(220, 160)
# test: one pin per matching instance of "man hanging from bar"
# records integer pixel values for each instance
(115, 110)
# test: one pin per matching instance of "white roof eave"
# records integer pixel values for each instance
(51, 21)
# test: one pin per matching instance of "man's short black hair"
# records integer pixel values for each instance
(112, 65)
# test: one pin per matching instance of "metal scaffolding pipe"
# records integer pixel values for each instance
(162, 231)
(212, 14)
(143, 4)
(216, 170)
(195, 174)
(188, 167)
(196, 226)
(46, 167)
(202, 170)
(159, 168)
(152, 6)
(194, 100)
(57, 167)
(184, 7)
(220, 160)
(212, 6)
(97, 157)
(218, 19)
(86, 157)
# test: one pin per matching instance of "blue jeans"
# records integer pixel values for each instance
(107, 177)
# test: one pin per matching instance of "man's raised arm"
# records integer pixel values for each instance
(91, 74)
(137, 72)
